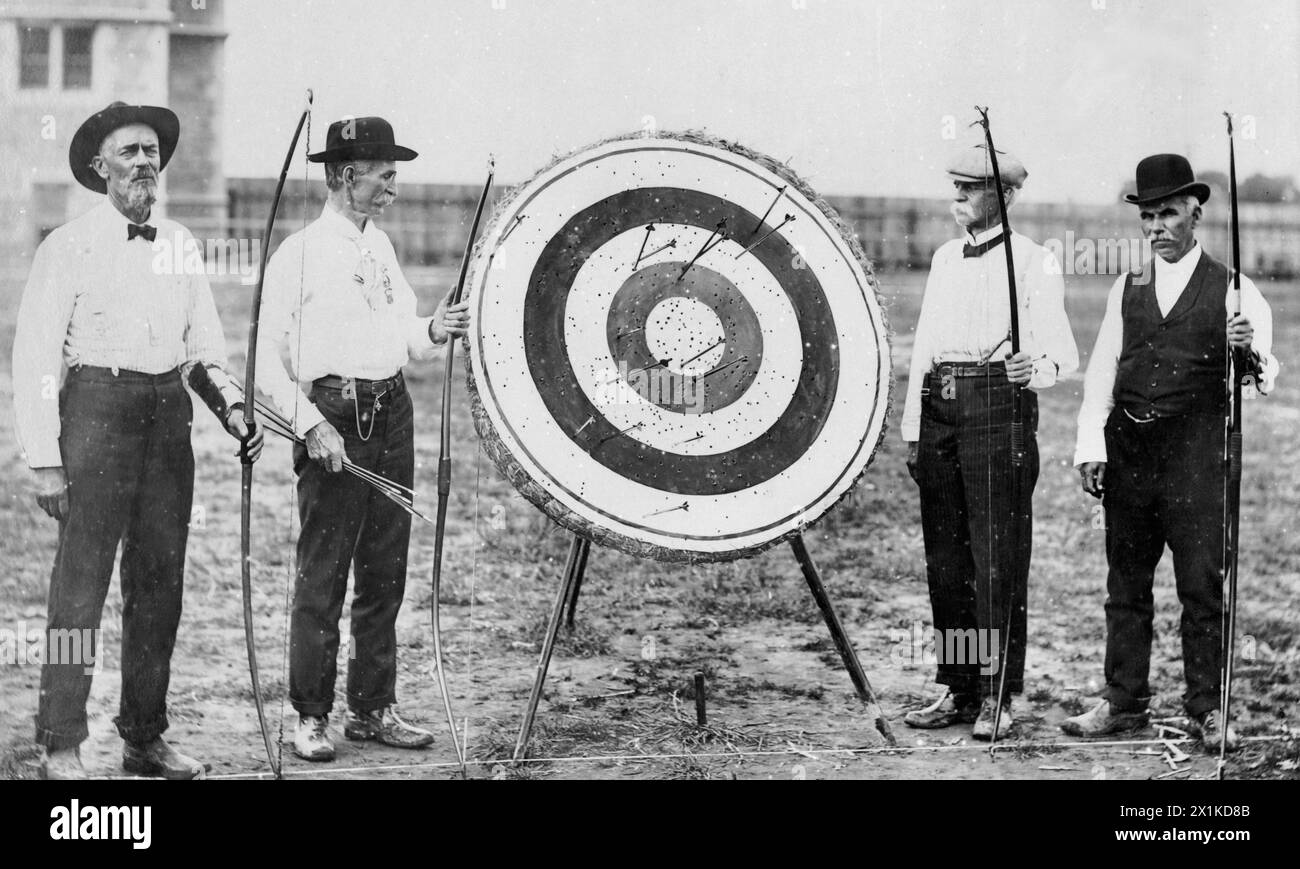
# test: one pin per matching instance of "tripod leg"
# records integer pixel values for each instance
(842, 644)
(548, 646)
(580, 570)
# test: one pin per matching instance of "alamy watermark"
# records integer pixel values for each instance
(656, 383)
(1100, 256)
(923, 646)
(183, 254)
(78, 646)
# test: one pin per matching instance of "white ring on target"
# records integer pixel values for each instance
(580, 491)
(728, 428)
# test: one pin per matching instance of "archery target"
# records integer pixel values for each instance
(676, 348)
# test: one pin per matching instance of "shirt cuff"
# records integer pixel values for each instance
(1045, 374)
(308, 418)
(1091, 447)
(45, 456)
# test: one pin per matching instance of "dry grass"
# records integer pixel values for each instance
(750, 626)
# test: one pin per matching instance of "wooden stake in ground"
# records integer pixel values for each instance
(701, 717)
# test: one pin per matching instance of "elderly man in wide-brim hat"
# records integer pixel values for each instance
(105, 342)
(1151, 446)
(976, 518)
(337, 302)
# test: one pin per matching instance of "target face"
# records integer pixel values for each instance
(676, 349)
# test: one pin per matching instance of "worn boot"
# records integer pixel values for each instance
(947, 710)
(63, 765)
(157, 758)
(983, 728)
(385, 726)
(311, 739)
(1209, 727)
(1103, 720)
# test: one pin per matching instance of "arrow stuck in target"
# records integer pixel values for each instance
(623, 432)
(719, 233)
(685, 505)
(766, 236)
(650, 227)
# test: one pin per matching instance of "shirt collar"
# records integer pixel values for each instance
(335, 220)
(113, 221)
(1182, 269)
(990, 233)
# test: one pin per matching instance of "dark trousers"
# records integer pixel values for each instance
(1164, 486)
(125, 441)
(345, 523)
(978, 536)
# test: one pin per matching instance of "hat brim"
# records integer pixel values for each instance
(91, 134)
(978, 179)
(375, 151)
(1199, 189)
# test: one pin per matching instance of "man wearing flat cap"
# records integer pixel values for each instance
(335, 297)
(104, 345)
(957, 423)
(1151, 445)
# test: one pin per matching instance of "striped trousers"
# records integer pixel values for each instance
(978, 532)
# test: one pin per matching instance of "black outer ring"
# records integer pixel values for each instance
(547, 356)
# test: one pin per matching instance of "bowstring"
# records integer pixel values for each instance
(291, 563)
(473, 577)
(992, 570)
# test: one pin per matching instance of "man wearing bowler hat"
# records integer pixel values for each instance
(336, 298)
(957, 424)
(105, 342)
(1151, 446)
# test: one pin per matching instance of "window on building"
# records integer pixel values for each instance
(34, 57)
(76, 57)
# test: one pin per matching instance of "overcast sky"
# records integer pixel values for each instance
(856, 95)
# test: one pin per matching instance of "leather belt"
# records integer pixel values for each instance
(969, 369)
(1146, 417)
(373, 387)
(102, 374)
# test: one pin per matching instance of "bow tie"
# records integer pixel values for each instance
(149, 233)
(973, 250)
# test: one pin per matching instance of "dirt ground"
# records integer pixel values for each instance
(619, 701)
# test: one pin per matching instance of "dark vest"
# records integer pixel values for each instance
(1175, 365)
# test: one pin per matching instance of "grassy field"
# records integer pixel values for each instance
(779, 703)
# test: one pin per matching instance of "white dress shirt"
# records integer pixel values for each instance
(335, 302)
(94, 298)
(966, 315)
(1103, 365)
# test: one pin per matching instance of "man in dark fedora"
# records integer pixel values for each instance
(111, 448)
(335, 296)
(976, 522)
(1151, 446)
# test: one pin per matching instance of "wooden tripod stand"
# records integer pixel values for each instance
(567, 598)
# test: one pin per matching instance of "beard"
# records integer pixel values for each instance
(139, 194)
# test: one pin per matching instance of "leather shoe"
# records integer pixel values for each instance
(386, 727)
(1102, 720)
(947, 710)
(158, 759)
(63, 765)
(983, 728)
(1209, 727)
(311, 739)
